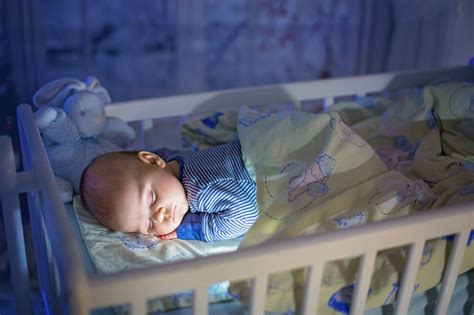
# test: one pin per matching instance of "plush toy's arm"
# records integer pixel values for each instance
(56, 126)
(118, 132)
(65, 189)
(45, 116)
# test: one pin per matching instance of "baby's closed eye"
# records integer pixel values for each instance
(152, 197)
(149, 225)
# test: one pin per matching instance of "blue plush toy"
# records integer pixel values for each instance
(72, 122)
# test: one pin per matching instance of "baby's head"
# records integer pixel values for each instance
(134, 192)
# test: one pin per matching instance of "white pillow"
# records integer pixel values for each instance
(115, 251)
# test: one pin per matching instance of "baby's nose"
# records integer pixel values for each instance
(159, 214)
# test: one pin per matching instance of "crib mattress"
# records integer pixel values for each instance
(86, 258)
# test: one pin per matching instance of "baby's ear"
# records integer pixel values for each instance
(151, 158)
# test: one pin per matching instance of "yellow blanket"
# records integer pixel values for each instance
(315, 174)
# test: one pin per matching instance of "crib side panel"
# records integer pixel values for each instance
(63, 281)
(258, 262)
(44, 262)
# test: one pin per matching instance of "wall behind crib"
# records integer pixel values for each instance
(154, 48)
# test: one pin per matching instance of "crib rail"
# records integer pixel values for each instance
(295, 93)
(141, 111)
(259, 262)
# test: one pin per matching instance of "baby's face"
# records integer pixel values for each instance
(152, 201)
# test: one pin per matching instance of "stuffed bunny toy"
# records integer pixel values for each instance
(72, 122)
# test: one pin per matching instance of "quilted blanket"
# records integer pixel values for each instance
(314, 173)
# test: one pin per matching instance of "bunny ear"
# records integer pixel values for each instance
(55, 92)
(93, 85)
(91, 82)
(102, 93)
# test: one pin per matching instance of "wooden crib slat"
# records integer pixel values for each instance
(313, 284)
(452, 269)
(200, 300)
(258, 296)
(366, 267)
(409, 277)
(14, 227)
(138, 307)
(328, 101)
(16, 252)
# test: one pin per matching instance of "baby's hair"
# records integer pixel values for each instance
(96, 192)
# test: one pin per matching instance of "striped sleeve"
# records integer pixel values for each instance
(234, 209)
(218, 185)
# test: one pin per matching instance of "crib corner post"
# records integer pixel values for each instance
(14, 227)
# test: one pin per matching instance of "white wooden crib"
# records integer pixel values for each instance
(66, 287)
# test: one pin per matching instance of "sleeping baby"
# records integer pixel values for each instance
(207, 195)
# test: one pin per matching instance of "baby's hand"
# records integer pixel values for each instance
(169, 236)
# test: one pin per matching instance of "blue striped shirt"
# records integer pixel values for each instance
(220, 192)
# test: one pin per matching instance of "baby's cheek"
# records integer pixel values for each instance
(166, 228)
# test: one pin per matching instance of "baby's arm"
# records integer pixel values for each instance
(190, 227)
(229, 210)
